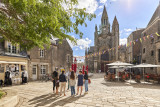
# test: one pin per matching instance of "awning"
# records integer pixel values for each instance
(8, 62)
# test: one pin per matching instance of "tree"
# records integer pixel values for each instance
(33, 22)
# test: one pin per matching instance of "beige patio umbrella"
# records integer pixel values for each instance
(145, 65)
(119, 64)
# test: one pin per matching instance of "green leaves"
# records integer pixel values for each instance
(32, 22)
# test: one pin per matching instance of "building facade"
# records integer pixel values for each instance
(38, 62)
(12, 59)
(44, 61)
(151, 45)
(104, 39)
(134, 47)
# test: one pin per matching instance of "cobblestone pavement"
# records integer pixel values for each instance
(101, 94)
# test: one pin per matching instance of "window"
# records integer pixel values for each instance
(104, 21)
(151, 68)
(145, 34)
(143, 61)
(152, 40)
(12, 48)
(43, 69)
(158, 55)
(144, 50)
(41, 53)
(68, 58)
(152, 53)
(34, 69)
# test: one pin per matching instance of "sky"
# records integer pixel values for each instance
(131, 14)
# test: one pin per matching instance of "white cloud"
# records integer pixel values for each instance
(76, 49)
(90, 5)
(99, 14)
(100, 7)
(123, 41)
(128, 30)
(103, 1)
(81, 43)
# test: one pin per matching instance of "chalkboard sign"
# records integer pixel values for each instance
(1, 68)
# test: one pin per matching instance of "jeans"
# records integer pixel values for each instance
(54, 84)
(86, 85)
(72, 90)
(68, 84)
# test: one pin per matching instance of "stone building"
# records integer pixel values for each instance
(12, 59)
(151, 46)
(38, 61)
(43, 61)
(104, 39)
(122, 53)
(134, 47)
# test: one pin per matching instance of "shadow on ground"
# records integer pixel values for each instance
(134, 85)
(115, 84)
(52, 100)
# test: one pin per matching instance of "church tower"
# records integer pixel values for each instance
(115, 37)
(105, 25)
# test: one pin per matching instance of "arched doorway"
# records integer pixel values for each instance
(104, 61)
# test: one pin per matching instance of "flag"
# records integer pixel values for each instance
(134, 42)
(140, 40)
(157, 34)
(144, 38)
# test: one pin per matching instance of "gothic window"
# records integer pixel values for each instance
(144, 50)
(104, 21)
(152, 53)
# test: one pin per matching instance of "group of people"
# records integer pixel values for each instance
(70, 77)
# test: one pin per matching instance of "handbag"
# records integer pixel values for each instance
(89, 81)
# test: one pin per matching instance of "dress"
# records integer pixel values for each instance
(80, 80)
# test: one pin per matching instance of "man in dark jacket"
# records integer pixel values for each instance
(62, 79)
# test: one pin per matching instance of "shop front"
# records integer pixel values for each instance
(14, 66)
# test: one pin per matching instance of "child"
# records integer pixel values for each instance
(72, 83)
(80, 82)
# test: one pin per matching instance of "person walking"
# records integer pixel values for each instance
(57, 83)
(80, 82)
(62, 79)
(86, 82)
(68, 74)
(54, 76)
(72, 83)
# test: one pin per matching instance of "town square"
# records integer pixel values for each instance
(79, 53)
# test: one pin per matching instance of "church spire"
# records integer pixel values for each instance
(104, 18)
(115, 20)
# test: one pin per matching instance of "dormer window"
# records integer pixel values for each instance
(12, 48)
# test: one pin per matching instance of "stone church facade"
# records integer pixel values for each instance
(104, 39)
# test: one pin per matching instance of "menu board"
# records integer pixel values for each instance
(1, 68)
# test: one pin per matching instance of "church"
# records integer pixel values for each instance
(104, 39)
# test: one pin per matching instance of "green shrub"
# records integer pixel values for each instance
(1, 94)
